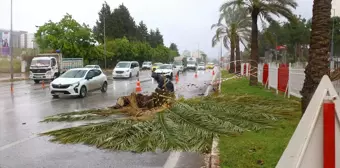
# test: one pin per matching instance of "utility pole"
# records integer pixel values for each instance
(11, 41)
(105, 38)
(332, 43)
(219, 60)
(198, 51)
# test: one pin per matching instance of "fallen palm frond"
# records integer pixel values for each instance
(96, 114)
(188, 125)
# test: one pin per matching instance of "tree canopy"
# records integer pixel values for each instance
(174, 48)
(67, 35)
(124, 39)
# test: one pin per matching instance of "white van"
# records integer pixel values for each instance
(126, 69)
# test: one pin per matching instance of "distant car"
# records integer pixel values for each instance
(92, 66)
(156, 66)
(179, 66)
(210, 65)
(78, 82)
(201, 66)
(126, 69)
(167, 70)
(147, 65)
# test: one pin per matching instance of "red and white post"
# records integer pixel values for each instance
(328, 134)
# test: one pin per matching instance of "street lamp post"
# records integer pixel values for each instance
(104, 40)
(332, 43)
(11, 41)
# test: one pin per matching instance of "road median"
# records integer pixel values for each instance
(261, 148)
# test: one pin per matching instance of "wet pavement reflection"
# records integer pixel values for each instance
(21, 111)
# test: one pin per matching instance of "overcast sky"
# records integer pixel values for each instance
(184, 22)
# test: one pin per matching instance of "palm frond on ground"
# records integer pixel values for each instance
(188, 125)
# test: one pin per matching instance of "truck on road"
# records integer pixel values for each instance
(192, 63)
(49, 66)
(179, 64)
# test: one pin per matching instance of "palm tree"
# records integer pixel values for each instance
(319, 50)
(235, 30)
(262, 8)
(223, 33)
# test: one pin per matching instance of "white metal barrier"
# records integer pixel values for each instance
(273, 75)
(295, 81)
(260, 72)
(245, 69)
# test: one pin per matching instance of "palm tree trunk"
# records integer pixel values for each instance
(254, 58)
(238, 55)
(232, 56)
(318, 52)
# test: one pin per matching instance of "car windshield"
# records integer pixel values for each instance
(191, 62)
(40, 62)
(123, 65)
(89, 66)
(210, 63)
(146, 63)
(157, 64)
(178, 63)
(74, 74)
(201, 64)
(165, 67)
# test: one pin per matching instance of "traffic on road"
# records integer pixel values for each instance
(28, 102)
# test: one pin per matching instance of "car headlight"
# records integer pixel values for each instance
(76, 84)
(127, 70)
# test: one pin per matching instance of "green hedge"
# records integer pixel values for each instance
(5, 65)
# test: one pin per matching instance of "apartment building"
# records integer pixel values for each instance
(20, 39)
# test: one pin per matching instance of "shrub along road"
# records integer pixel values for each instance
(20, 146)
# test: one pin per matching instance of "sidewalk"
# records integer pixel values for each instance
(17, 76)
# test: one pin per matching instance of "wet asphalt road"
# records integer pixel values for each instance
(20, 113)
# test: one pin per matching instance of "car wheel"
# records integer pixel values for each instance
(36, 81)
(83, 92)
(130, 75)
(104, 87)
(137, 74)
(171, 76)
(55, 96)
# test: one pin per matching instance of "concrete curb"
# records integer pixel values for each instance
(14, 79)
(213, 160)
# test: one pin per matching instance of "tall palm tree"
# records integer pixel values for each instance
(262, 8)
(223, 34)
(235, 30)
(318, 52)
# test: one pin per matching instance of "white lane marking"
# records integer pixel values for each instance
(172, 160)
(28, 138)
(16, 142)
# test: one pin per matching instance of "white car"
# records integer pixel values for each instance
(93, 66)
(147, 65)
(179, 67)
(126, 69)
(78, 82)
(167, 70)
(201, 66)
